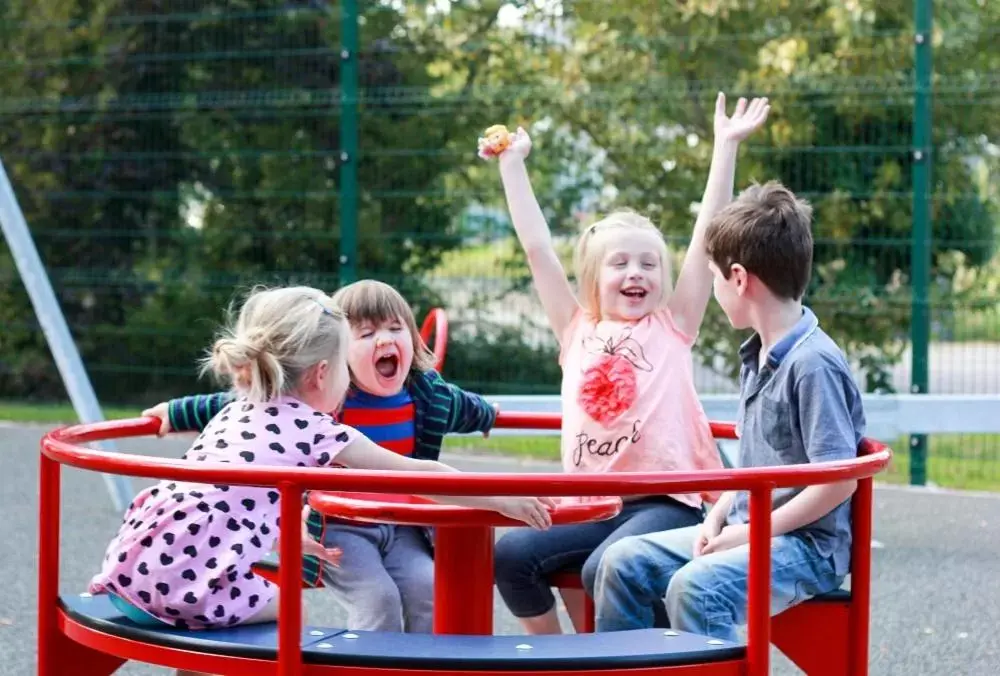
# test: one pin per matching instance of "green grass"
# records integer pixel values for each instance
(57, 413)
(976, 325)
(528, 447)
(964, 461)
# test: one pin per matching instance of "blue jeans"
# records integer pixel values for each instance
(524, 558)
(385, 578)
(705, 595)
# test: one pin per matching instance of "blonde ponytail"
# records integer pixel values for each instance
(276, 337)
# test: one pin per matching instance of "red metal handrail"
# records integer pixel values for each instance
(61, 447)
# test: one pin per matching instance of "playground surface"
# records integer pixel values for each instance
(935, 596)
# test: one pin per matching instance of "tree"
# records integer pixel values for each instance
(75, 139)
(173, 157)
(634, 84)
(165, 158)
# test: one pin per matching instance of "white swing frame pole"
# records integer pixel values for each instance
(53, 323)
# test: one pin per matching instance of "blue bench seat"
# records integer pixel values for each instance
(255, 641)
(341, 647)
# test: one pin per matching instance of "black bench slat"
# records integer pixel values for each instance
(339, 647)
(837, 595)
(613, 650)
(256, 641)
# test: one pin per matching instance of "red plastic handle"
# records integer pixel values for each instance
(436, 323)
(411, 510)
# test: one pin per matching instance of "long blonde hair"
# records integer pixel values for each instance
(593, 245)
(276, 337)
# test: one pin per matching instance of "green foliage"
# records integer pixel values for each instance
(633, 88)
(169, 154)
(500, 360)
(164, 160)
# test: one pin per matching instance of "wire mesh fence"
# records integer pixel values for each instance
(170, 154)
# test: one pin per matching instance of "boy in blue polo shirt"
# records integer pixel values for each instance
(798, 403)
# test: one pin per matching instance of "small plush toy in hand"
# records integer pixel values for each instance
(494, 141)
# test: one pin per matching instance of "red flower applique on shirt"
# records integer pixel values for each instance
(608, 387)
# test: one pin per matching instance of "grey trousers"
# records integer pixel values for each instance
(385, 578)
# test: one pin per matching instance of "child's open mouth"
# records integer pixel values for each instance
(634, 292)
(387, 366)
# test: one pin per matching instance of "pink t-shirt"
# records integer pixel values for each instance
(629, 402)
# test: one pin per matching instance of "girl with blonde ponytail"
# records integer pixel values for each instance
(184, 552)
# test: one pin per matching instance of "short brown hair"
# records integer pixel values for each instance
(372, 301)
(767, 231)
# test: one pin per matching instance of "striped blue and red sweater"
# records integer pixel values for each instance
(388, 421)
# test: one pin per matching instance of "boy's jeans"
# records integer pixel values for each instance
(705, 595)
(385, 578)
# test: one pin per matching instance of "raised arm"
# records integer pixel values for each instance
(694, 284)
(554, 291)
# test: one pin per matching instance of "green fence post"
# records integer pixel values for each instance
(920, 263)
(349, 142)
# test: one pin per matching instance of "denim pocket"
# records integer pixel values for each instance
(776, 423)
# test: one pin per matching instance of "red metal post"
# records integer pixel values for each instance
(290, 596)
(48, 565)
(589, 615)
(528, 421)
(861, 574)
(574, 580)
(759, 584)
(465, 604)
(436, 323)
(817, 653)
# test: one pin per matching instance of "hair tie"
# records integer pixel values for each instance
(322, 307)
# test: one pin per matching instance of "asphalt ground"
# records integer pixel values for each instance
(936, 579)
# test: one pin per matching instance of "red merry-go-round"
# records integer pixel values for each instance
(85, 635)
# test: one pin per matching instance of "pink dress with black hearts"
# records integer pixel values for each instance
(184, 550)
